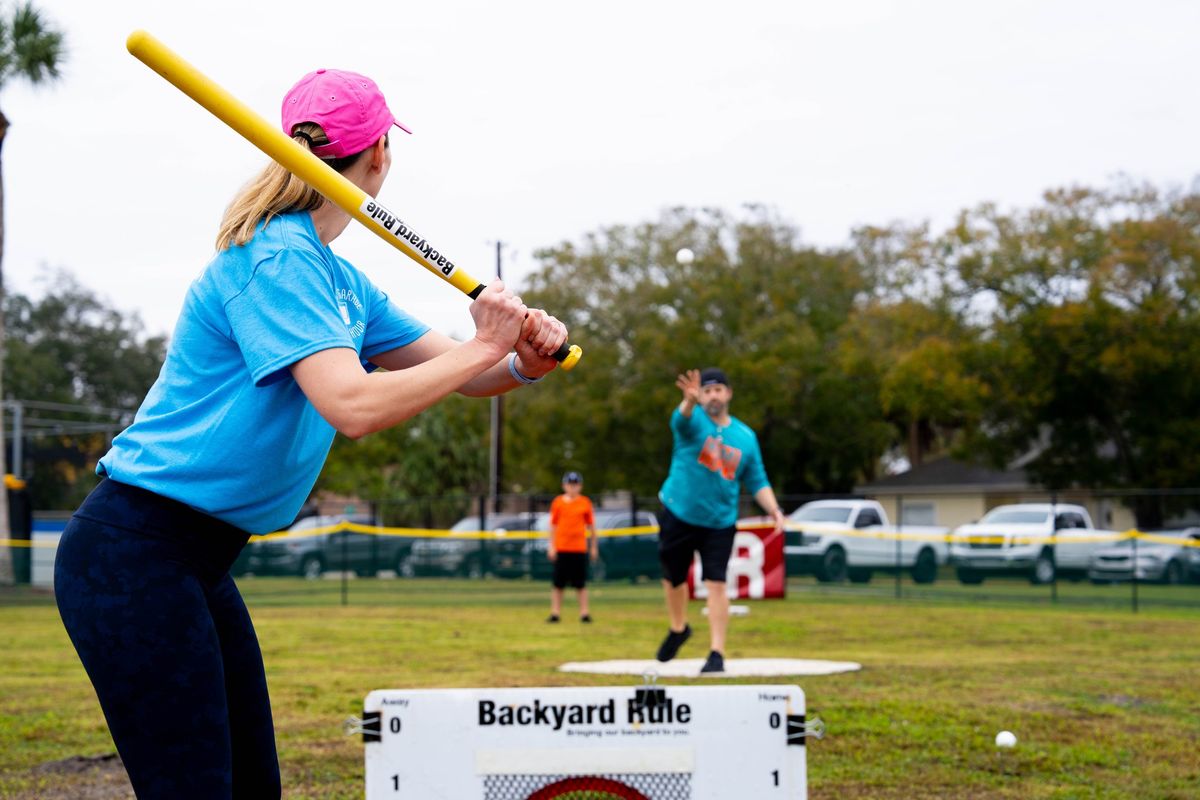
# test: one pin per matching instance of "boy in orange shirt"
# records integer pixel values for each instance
(572, 519)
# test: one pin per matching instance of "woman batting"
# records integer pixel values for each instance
(274, 352)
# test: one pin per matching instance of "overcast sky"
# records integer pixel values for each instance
(536, 122)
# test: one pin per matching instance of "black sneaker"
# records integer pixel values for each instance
(674, 641)
(586, 618)
(714, 663)
(552, 618)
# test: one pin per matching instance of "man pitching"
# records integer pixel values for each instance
(714, 454)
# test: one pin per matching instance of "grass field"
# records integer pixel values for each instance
(1105, 703)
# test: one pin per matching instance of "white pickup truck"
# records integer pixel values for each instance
(1016, 539)
(839, 539)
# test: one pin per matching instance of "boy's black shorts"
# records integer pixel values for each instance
(570, 569)
(679, 540)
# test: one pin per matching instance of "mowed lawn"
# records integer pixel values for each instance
(1105, 703)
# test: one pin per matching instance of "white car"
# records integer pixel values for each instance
(839, 539)
(1168, 557)
(1038, 540)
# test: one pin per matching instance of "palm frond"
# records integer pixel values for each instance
(29, 47)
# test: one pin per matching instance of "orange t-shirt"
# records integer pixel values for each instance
(569, 520)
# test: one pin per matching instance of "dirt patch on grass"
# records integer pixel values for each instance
(79, 778)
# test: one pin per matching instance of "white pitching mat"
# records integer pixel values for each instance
(734, 667)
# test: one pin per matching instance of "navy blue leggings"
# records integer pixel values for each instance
(143, 587)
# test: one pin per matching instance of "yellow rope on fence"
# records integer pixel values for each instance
(438, 533)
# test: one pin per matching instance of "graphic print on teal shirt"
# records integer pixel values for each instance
(709, 466)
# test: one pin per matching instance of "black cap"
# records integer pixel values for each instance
(572, 477)
(712, 375)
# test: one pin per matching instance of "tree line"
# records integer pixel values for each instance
(1063, 337)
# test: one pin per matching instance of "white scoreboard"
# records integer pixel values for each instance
(608, 743)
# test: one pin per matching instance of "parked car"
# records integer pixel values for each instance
(303, 552)
(625, 556)
(466, 557)
(630, 556)
(520, 555)
(1014, 539)
(839, 539)
(1157, 560)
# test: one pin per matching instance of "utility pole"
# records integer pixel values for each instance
(18, 438)
(496, 468)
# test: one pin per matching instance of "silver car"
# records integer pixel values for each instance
(470, 558)
(1157, 560)
(301, 552)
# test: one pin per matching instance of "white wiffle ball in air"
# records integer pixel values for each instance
(1006, 739)
(685, 256)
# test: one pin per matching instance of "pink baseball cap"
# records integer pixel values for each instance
(349, 107)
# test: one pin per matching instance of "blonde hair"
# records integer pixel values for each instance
(275, 191)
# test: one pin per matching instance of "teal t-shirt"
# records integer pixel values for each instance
(708, 465)
(225, 428)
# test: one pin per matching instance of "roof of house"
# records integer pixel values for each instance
(949, 475)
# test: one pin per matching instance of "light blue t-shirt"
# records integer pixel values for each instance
(225, 428)
(708, 463)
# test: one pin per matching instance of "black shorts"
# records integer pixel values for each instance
(570, 569)
(679, 540)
